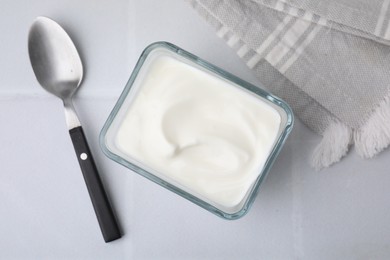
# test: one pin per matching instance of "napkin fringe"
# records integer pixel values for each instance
(374, 136)
(370, 139)
(333, 146)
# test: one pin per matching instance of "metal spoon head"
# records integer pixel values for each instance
(54, 58)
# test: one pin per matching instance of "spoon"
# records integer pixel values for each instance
(58, 69)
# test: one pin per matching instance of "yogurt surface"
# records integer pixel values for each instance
(197, 131)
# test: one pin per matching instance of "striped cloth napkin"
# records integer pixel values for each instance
(328, 59)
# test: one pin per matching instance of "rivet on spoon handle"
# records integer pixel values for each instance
(99, 199)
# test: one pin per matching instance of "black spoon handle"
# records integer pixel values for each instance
(103, 210)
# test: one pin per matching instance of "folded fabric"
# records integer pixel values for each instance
(328, 59)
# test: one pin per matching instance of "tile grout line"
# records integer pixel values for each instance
(9, 95)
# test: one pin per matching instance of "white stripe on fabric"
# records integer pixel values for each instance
(253, 61)
(233, 40)
(274, 34)
(300, 50)
(381, 18)
(322, 21)
(221, 32)
(242, 51)
(279, 6)
(259, 51)
(288, 41)
(387, 33)
(293, 11)
(308, 16)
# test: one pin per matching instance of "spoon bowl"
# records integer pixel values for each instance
(54, 57)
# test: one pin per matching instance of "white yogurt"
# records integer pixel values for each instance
(197, 131)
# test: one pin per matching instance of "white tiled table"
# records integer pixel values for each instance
(45, 212)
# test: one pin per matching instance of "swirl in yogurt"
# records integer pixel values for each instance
(198, 131)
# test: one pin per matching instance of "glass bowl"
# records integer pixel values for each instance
(112, 148)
